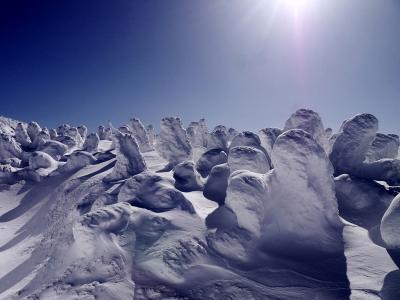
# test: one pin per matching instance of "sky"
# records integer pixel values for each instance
(248, 64)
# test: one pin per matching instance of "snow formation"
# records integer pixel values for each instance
(233, 215)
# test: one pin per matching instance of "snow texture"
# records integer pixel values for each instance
(173, 143)
(198, 133)
(129, 159)
(209, 159)
(248, 158)
(140, 134)
(91, 143)
(187, 179)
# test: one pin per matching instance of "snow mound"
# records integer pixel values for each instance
(129, 158)
(268, 137)
(187, 179)
(33, 130)
(173, 143)
(104, 133)
(151, 191)
(7, 125)
(198, 133)
(217, 183)
(218, 139)
(151, 134)
(77, 160)
(9, 148)
(140, 134)
(352, 143)
(308, 121)
(21, 135)
(358, 194)
(248, 158)
(350, 148)
(91, 143)
(54, 148)
(383, 146)
(268, 214)
(209, 159)
(82, 129)
(390, 229)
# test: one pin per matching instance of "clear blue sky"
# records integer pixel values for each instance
(247, 64)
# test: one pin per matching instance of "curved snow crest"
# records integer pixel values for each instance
(129, 158)
(173, 143)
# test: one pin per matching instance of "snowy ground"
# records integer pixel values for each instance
(24, 219)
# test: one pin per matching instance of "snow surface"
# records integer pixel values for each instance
(91, 216)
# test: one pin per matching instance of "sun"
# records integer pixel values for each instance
(296, 5)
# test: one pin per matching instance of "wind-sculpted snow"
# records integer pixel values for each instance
(77, 160)
(217, 183)
(268, 137)
(140, 134)
(104, 133)
(151, 134)
(232, 216)
(308, 121)
(9, 148)
(390, 229)
(269, 213)
(350, 149)
(209, 159)
(187, 179)
(151, 191)
(198, 133)
(360, 194)
(352, 142)
(248, 158)
(21, 135)
(33, 130)
(82, 129)
(129, 159)
(173, 143)
(383, 146)
(218, 139)
(91, 143)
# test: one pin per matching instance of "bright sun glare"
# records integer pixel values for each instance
(296, 5)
